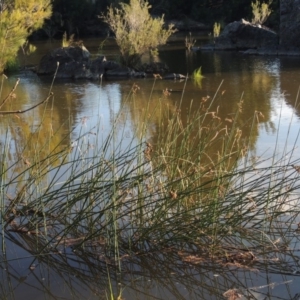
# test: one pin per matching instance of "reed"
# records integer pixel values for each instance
(191, 191)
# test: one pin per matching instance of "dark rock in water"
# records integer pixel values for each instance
(174, 76)
(114, 70)
(48, 63)
(195, 49)
(242, 35)
(75, 62)
(119, 72)
(97, 67)
(154, 67)
(123, 72)
(70, 62)
(272, 52)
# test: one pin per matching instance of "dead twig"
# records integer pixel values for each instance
(25, 110)
(10, 94)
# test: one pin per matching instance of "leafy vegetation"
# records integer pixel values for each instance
(136, 31)
(260, 11)
(76, 16)
(17, 20)
(189, 42)
(216, 29)
(68, 42)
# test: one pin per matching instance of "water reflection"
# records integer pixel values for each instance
(74, 272)
(248, 92)
(250, 78)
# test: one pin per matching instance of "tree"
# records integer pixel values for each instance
(136, 30)
(18, 19)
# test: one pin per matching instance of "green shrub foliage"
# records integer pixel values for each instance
(136, 31)
(18, 19)
(260, 11)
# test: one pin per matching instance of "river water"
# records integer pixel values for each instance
(268, 87)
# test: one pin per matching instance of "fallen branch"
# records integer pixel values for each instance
(25, 110)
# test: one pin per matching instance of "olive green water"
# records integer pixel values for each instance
(268, 88)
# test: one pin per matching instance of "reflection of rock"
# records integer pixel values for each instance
(75, 62)
(241, 35)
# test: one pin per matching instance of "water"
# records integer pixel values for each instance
(265, 84)
(268, 88)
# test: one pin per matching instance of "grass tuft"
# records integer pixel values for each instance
(190, 194)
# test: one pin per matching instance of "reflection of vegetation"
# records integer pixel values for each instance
(185, 205)
(197, 77)
(197, 74)
(86, 271)
(254, 88)
(31, 133)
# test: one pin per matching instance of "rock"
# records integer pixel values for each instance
(119, 72)
(123, 72)
(174, 76)
(195, 49)
(187, 24)
(289, 52)
(290, 25)
(264, 52)
(154, 67)
(97, 67)
(70, 62)
(75, 62)
(115, 70)
(242, 35)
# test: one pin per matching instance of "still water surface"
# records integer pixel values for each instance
(268, 88)
(268, 85)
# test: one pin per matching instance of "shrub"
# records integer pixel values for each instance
(189, 42)
(217, 29)
(260, 11)
(18, 19)
(136, 31)
(67, 42)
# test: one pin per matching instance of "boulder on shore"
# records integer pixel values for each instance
(242, 35)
